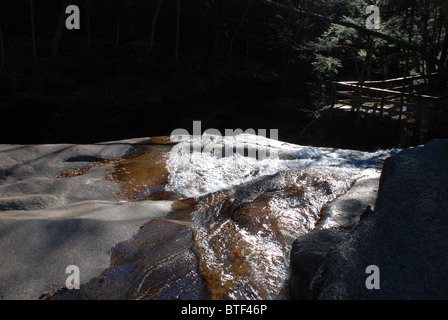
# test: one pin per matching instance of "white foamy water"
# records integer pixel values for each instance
(197, 173)
(255, 208)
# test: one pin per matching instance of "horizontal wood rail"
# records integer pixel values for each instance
(412, 96)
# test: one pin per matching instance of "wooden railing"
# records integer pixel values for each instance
(402, 97)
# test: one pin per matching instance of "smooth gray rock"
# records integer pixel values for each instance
(27, 174)
(37, 246)
(345, 211)
(26, 202)
(406, 236)
(307, 255)
(48, 224)
(18, 162)
(42, 192)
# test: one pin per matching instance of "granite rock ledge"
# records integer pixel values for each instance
(405, 236)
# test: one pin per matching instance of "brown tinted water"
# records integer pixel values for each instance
(235, 242)
(143, 173)
(243, 236)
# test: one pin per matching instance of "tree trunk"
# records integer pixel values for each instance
(386, 63)
(434, 30)
(358, 76)
(153, 28)
(229, 60)
(370, 61)
(285, 72)
(2, 50)
(284, 55)
(410, 35)
(365, 65)
(176, 53)
(59, 29)
(128, 21)
(33, 32)
(444, 52)
(218, 31)
(425, 38)
(88, 31)
(118, 25)
(439, 32)
(246, 58)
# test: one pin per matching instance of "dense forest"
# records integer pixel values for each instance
(146, 67)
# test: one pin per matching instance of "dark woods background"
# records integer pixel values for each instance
(146, 67)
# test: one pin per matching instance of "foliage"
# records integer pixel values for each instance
(419, 22)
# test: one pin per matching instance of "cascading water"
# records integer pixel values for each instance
(240, 202)
(250, 210)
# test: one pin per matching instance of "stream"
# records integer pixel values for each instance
(251, 210)
(234, 216)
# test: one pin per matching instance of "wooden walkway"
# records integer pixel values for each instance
(408, 98)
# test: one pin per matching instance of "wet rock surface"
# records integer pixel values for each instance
(339, 217)
(159, 263)
(347, 210)
(405, 236)
(243, 236)
(94, 206)
(143, 174)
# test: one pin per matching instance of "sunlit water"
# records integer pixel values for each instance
(251, 209)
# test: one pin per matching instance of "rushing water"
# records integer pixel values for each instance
(239, 203)
(249, 210)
